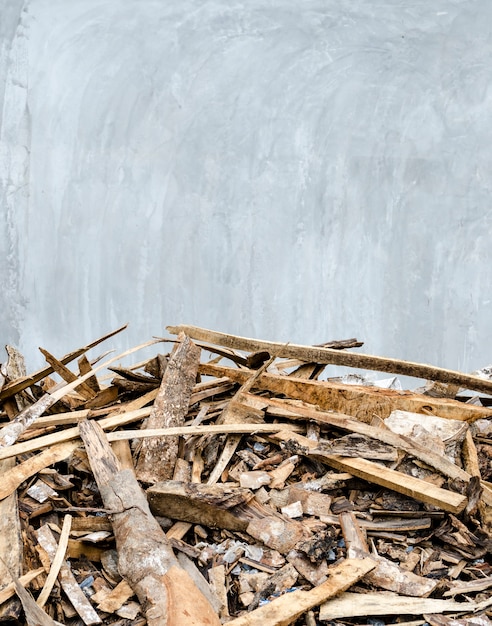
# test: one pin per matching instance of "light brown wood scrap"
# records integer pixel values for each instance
(351, 604)
(337, 357)
(145, 558)
(115, 599)
(14, 476)
(156, 458)
(56, 562)
(11, 432)
(11, 546)
(67, 375)
(387, 574)
(354, 400)
(287, 608)
(378, 474)
(62, 568)
(9, 589)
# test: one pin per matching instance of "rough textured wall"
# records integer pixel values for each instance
(293, 171)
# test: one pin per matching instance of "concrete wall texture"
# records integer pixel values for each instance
(295, 171)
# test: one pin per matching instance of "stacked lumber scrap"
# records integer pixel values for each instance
(229, 480)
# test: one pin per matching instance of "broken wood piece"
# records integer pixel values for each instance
(34, 614)
(57, 562)
(355, 400)
(382, 603)
(145, 558)
(219, 506)
(11, 545)
(67, 375)
(156, 457)
(380, 475)
(12, 431)
(236, 411)
(68, 583)
(337, 357)
(287, 608)
(387, 574)
(17, 474)
(9, 590)
(115, 599)
(397, 440)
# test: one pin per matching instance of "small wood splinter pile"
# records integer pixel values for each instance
(230, 482)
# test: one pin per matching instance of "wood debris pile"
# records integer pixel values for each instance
(231, 481)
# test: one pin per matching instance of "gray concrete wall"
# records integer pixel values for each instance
(292, 171)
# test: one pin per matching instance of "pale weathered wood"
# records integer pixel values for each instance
(68, 582)
(287, 608)
(359, 402)
(156, 457)
(57, 562)
(9, 590)
(145, 558)
(11, 547)
(337, 357)
(387, 603)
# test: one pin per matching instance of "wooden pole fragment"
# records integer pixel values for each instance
(355, 400)
(219, 506)
(337, 357)
(145, 558)
(287, 608)
(156, 457)
(11, 546)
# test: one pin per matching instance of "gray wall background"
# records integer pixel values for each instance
(296, 171)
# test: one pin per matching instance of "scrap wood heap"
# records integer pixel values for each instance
(231, 481)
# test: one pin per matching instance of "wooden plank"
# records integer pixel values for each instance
(337, 357)
(378, 474)
(286, 609)
(359, 402)
(407, 444)
(387, 603)
(145, 558)
(156, 457)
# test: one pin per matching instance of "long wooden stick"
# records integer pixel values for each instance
(337, 357)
